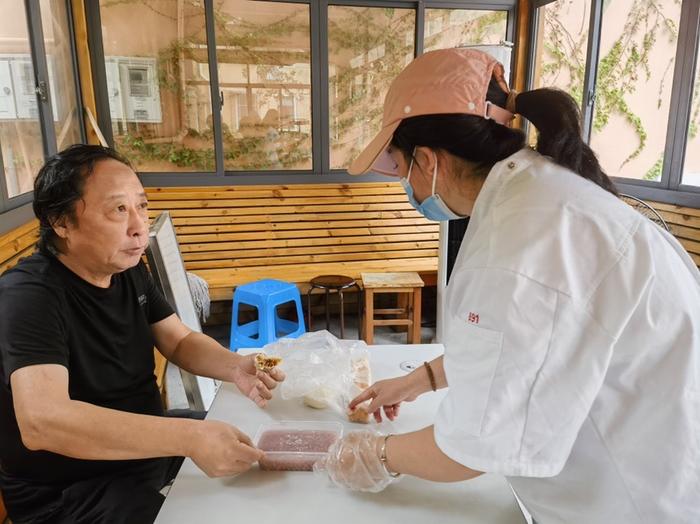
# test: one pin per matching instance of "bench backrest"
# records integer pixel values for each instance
(235, 234)
(18, 243)
(684, 223)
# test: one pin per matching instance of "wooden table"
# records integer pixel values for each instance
(408, 287)
(272, 497)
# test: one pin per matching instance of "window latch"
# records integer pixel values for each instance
(42, 91)
(590, 98)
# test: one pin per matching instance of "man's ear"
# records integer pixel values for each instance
(60, 227)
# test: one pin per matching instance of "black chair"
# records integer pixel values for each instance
(646, 210)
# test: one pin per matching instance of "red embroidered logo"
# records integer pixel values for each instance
(473, 318)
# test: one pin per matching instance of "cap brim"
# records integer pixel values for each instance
(364, 162)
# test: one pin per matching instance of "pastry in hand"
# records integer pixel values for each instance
(266, 362)
(362, 377)
(359, 415)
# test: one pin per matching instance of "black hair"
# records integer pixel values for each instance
(59, 185)
(484, 142)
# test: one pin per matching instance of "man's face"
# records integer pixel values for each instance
(110, 229)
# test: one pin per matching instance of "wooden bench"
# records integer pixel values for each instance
(684, 223)
(18, 243)
(236, 234)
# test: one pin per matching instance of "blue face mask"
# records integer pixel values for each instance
(433, 207)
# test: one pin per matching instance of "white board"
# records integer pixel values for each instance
(168, 270)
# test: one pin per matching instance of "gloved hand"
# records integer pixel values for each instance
(353, 462)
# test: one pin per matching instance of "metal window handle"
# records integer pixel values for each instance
(591, 97)
(42, 91)
(221, 99)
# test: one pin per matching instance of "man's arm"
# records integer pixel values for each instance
(194, 352)
(202, 355)
(50, 420)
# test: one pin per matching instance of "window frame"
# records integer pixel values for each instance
(669, 189)
(320, 171)
(40, 71)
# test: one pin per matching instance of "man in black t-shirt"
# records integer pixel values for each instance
(84, 437)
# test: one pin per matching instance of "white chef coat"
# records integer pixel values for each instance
(572, 351)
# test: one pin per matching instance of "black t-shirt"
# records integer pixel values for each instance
(49, 315)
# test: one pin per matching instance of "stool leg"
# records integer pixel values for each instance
(403, 301)
(368, 330)
(234, 325)
(328, 316)
(342, 313)
(416, 315)
(359, 312)
(308, 308)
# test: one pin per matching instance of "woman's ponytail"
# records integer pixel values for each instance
(557, 119)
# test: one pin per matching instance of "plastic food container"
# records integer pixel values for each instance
(293, 445)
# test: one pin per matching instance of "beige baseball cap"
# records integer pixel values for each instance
(447, 81)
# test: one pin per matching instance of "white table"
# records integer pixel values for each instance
(266, 497)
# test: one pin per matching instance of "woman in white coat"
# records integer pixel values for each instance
(572, 323)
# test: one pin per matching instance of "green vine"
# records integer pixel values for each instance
(356, 92)
(654, 173)
(695, 109)
(621, 71)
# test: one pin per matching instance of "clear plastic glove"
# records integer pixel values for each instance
(353, 462)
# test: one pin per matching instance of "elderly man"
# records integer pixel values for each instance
(84, 437)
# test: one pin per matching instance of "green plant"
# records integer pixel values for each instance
(621, 71)
(654, 173)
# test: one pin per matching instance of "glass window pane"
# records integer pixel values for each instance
(445, 28)
(367, 48)
(64, 98)
(264, 56)
(633, 91)
(691, 168)
(20, 132)
(158, 83)
(561, 44)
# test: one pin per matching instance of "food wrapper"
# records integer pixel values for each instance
(324, 371)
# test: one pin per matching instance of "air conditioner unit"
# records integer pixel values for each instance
(132, 85)
(140, 90)
(23, 83)
(18, 98)
(114, 94)
(7, 96)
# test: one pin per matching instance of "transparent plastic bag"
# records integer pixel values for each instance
(321, 369)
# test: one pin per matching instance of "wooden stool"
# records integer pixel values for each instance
(330, 283)
(409, 284)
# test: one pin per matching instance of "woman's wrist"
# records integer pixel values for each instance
(420, 381)
(382, 453)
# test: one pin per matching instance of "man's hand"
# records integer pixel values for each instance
(255, 384)
(220, 450)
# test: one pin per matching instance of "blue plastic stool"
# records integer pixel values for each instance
(265, 295)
